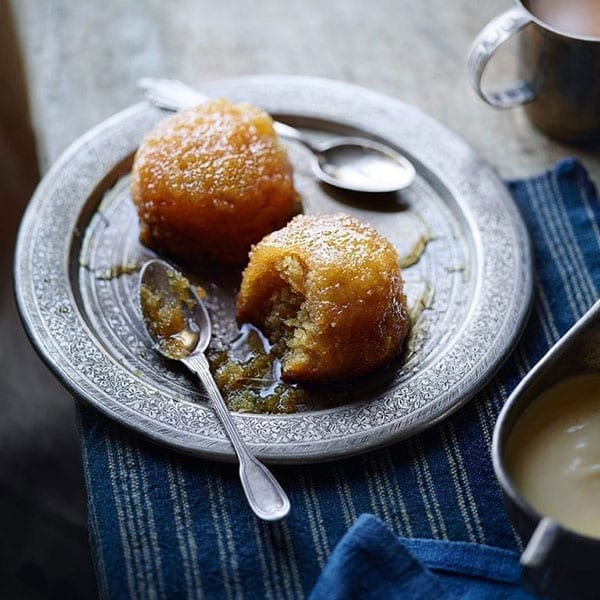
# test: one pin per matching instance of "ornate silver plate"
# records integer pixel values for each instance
(469, 287)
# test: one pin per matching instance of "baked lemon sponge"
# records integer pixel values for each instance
(328, 292)
(210, 181)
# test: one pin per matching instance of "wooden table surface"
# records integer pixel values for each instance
(80, 62)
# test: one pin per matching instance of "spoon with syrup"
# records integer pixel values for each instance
(350, 163)
(180, 328)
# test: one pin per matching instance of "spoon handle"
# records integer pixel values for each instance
(265, 496)
(172, 94)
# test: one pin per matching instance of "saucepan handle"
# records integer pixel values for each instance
(536, 560)
(495, 33)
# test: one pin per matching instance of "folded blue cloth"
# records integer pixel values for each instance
(372, 563)
(163, 525)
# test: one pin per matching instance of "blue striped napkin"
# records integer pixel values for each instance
(164, 525)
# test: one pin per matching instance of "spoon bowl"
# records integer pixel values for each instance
(163, 292)
(349, 163)
(362, 165)
(179, 325)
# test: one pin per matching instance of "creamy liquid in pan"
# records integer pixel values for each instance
(553, 454)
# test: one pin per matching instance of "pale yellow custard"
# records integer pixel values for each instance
(553, 454)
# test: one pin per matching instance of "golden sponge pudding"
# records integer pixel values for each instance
(327, 289)
(210, 181)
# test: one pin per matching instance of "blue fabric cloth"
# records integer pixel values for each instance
(371, 563)
(164, 525)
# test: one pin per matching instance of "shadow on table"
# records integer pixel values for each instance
(44, 550)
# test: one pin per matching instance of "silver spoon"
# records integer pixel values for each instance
(164, 289)
(350, 163)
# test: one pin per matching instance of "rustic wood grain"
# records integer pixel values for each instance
(83, 60)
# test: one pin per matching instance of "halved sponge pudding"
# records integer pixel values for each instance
(327, 290)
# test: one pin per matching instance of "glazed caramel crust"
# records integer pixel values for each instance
(331, 286)
(210, 181)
